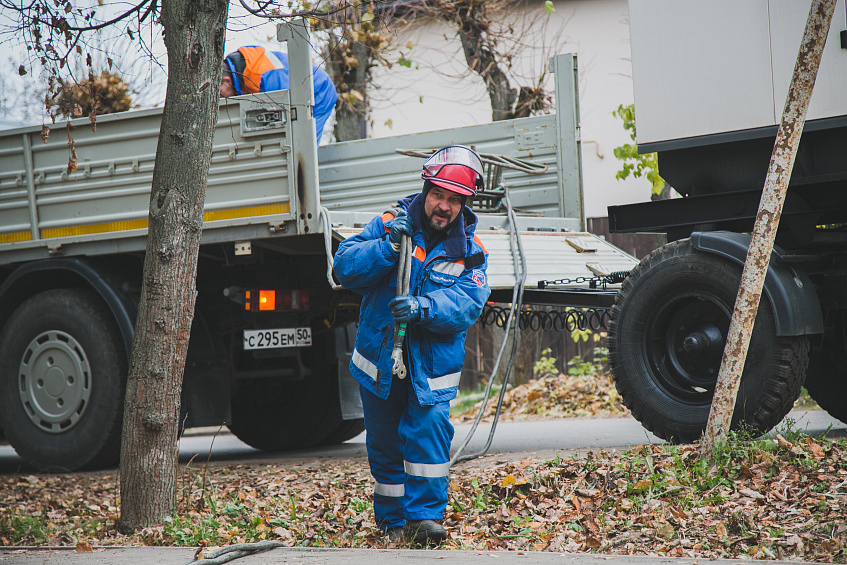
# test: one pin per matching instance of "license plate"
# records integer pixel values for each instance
(273, 339)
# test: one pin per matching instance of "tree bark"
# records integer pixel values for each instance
(194, 37)
(473, 25)
(664, 194)
(350, 112)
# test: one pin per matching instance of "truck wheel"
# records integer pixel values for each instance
(826, 382)
(347, 429)
(279, 414)
(666, 339)
(62, 381)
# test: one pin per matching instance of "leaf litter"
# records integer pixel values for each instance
(782, 498)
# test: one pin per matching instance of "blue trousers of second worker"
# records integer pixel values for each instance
(409, 455)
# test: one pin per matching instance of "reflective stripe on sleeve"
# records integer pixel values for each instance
(450, 268)
(364, 364)
(427, 470)
(447, 381)
(394, 491)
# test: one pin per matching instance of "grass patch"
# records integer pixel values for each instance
(23, 530)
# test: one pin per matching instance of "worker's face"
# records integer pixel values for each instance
(442, 207)
(227, 89)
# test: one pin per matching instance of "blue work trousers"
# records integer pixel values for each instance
(409, 455)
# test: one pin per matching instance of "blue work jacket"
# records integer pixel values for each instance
(451, 284)
(266, 71)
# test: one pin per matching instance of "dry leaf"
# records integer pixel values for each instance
(665, 531)
(750, 493)
(592, 542)
(643, 484)
(83, 547)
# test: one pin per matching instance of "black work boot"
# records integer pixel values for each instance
(396, 534)
(425, 532)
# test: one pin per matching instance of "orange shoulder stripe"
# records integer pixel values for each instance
(420, 254)
(386, 217)
(478, 242)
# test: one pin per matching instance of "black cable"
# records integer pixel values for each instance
(594, 319)
(519, 263)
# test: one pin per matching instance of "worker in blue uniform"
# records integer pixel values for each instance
(407, 419)
(253, 69)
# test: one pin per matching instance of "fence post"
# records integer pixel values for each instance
(767, 221)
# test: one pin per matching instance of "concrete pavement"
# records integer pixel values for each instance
(306, 556)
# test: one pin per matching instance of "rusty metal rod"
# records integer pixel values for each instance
(767, 221)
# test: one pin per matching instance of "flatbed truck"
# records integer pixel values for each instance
(272, 338)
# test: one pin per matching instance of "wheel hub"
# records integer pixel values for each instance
(687, 342)
(54, 381)
(706, 340)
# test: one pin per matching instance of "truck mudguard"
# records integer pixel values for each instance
(98, 276)
(795, 303)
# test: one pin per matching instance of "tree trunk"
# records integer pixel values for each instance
(194, 37)
(474, 24)
(664, 194)
(350, 113)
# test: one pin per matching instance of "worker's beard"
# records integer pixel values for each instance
(440, 227)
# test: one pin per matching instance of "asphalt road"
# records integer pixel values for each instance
(512, 440)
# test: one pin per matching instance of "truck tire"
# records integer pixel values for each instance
(666, 339)
(280, 414)
(347, 429)
(62, 381)
(826, 382)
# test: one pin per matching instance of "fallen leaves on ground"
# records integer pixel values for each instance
(554, 397)
(782, 498)
(769, 499)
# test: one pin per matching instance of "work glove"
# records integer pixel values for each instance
(405, 308)
(402, 224)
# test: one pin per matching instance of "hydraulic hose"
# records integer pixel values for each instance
(328, 248)
(404, 275)
(519, 263)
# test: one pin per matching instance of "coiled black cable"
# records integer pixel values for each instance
(572, 319)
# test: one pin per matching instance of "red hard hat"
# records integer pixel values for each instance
(456, 168)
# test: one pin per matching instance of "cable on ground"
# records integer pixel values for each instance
(231, 552)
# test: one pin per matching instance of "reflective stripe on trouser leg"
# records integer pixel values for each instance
(427, 434)
(385, 454)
